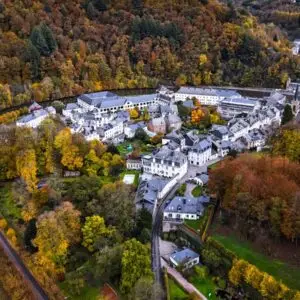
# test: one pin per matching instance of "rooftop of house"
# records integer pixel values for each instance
(109, 99)
(203, 177)
(148, 190)
(223, 130)
(168, 156)
(186, 205)
(202, 146)
(34, 115)
(239, 101)
(184, 256)
(189, 104)
(71, 106)
(208, 92)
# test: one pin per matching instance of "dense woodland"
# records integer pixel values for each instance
(51, 49)
(260, 196)
(283, 13)
(72, 229)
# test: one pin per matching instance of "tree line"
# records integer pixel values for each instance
(54, 50)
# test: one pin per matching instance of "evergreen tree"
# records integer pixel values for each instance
(48, 36)
(32, 55)
(38, 40)
(287, 115)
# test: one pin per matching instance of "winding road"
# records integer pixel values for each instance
(15, 259)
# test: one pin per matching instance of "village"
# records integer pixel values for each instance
(167, 153)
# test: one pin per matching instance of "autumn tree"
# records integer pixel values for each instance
(56, 231)
(137, 255)
(70, 154)
(94, 228)
(27, 168)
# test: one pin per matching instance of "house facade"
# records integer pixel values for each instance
(206, 96)
(166, 163)
(200, 153)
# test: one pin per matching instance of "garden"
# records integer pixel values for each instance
(280, 270)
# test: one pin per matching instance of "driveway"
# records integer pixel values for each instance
(182, 281)
(189, 189)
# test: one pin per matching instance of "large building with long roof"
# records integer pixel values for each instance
(206, 96)
(108, 102)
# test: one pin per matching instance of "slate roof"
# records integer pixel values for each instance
(202, 146)
(186, 205)
(34, 115)
(184, 256)
(71, 106)
(239, 101)
(208, 92)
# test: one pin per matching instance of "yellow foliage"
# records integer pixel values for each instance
(202, 59)
(196, 115)
(27, 168)
(134, 113)
(3, 223)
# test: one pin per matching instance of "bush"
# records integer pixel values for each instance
(201, 272)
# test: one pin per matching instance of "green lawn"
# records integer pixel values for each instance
(280, 270)
(194, 224)
(205, 286)
(87, 293)
(197, 191)
(8, 207)
(176, 292)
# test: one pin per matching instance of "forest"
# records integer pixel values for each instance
(75, 231)
(50, 49)
(260, 195)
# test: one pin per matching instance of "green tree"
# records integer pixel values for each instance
(94, 228)
(136, 264)
(287, 114)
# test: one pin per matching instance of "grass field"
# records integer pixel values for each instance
(8, 207)
(194, 224)
(280, 270)
(197, 191)
(206, 286)
(86, 293)
(176, 292)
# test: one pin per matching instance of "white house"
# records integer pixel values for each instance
(185, 257)
(112, 130)
(165, 163)
(200, 153)
(108, 102)
(34, 119)
(206, 96)
(70, 109)
(134, 164)
(185, 208)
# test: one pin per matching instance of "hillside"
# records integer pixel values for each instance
(283, 13)
(52, 50)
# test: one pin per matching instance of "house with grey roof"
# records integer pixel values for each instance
(106, 102)
(185, 208)
(231, 107)
(34, 119)
(173, 122)
(176, 138)
(149, 191)
(206, 96)
(186, 258)
(200, 153)
(165, 163)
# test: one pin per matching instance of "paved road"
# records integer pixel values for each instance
(182, 281)
(32, 283)
(156, 229)
(158, 217)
